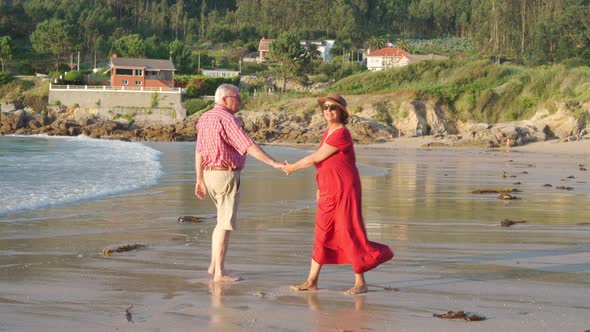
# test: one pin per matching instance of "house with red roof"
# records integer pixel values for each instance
(384, 58)
(390, 57)
(141, 73)
(264, 49)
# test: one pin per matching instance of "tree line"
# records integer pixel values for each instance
(528, 31)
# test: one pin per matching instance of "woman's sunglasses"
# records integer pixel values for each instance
(331, 107)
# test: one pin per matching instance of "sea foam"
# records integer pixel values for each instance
(42, 171)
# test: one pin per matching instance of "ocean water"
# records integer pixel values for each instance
(43, 171)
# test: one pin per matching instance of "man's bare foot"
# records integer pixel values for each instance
(357, 290)
(307, 286)
(211, 269)
(227, 278)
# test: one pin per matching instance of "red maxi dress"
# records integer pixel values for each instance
(340, 235)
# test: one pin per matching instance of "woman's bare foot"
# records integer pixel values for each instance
(227, 278)
(357, 290)
(307, 286)
(211, 269)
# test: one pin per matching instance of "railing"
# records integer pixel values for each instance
(112, 88)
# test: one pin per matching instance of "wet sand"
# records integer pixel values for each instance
(451, 252)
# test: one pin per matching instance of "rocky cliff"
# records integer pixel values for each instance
(374, 119)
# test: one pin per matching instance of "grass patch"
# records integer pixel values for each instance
(197, 106)
(478, 89)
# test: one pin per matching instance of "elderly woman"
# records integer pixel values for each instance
(340, 235)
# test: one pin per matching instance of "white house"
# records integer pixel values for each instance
(323, 46)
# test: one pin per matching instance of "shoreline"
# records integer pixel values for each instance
(551, 146)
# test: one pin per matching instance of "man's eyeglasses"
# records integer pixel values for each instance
(331, 107)
(238, 97)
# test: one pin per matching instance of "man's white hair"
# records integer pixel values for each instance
(224, 90)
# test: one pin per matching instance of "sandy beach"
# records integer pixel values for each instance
(451, 252)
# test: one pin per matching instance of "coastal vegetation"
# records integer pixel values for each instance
(478, 90)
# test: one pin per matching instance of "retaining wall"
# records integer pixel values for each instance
(153, 106)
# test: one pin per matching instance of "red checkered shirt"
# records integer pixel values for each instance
(221, 140)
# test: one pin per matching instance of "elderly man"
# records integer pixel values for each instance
(220, 155)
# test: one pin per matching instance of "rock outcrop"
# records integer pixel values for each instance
(373, 119)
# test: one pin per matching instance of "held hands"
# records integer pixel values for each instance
(288, 168)
(284, 166)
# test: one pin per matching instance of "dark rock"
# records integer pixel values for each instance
(10, 121)
(508, 222)
(507, 197)
(189, 219)
(128, 314)
(485, 191)
(73, 131)
(34, 124)
(510, 190)
(123, 248)
(460, 315)
(565, 188)
(436, 145)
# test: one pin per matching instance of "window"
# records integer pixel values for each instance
(124, 71)
(124, 82)
(137, 82)
(138, 72)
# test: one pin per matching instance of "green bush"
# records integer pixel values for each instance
(319, 78)
(25, 68)
(253, 68)
(445, 93)
(525, 102)
(196, 105)
(54, 74)
(574, 62)
(74, 77)
(5, 78)
(196, 88)
(465, 105)
(199, 85)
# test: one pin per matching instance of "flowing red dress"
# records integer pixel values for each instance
(340, 235)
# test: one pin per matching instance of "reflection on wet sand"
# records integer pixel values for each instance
(451, 253)
(348, 317)
(314, 303)
(216, 295)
